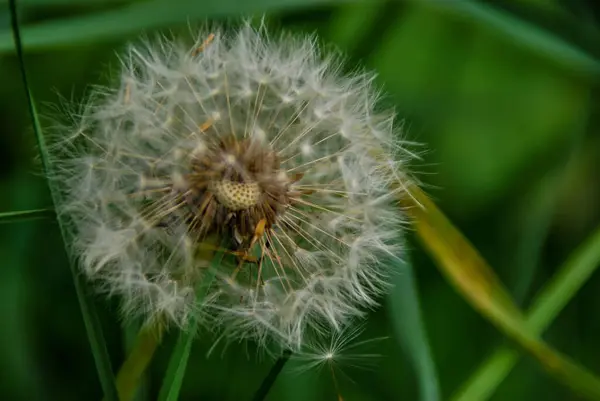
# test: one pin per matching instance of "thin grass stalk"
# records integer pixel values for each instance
(89, 314)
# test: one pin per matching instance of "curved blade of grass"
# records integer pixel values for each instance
(24, 215)
(537, 215)
(269, 380)
(138, 16)
(524, 34)
(546, 306)
(90, 317)
(471, 275)
(173, 379)
(407, 323)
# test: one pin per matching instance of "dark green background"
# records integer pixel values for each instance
(501, 93)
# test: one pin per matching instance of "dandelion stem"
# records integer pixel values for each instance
(268, 382)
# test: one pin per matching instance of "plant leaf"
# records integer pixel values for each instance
(523, 34)
(140, 356)
(135, 17)
(130, 337)
(173, 379)
(71, 3)
(409, 329)
(269, 380)
(476, 281)
(90, 317)
(24, 215)
(546, 306)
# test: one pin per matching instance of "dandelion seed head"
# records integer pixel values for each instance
(259, 141)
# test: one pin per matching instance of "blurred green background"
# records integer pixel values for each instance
(501, 93)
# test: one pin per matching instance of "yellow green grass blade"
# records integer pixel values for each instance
(476, 281)
(131, 372)
(546, 306)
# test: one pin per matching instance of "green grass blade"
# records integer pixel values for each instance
(477, 283)
(274, 372)
(138, 16)
(70, 3)
(409, 329)
(24, 215)
(173, 379)
(523, 34)
(535, 216)
(131, 334)
(132, 371)
(546, 306)
(90, 317)
(176, 369)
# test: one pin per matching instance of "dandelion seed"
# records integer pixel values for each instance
(340, 352)
(258, 141)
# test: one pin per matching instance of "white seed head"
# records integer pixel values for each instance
(260, 142)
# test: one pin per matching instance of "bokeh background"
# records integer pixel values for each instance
(502, 95)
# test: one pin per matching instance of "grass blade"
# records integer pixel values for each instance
(25, 215)
(90, 317)
(176, 369)
(70, 3)
(132, 18)
(173, 379)
(137, 362)
(130, 339)
(269, 380)
(409, 329)
(476, 281)
(546, 306)
(523, 34)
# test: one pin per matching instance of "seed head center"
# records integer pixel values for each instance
(236, 196)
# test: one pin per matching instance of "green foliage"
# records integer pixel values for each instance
(499, 93)
(90, 317)
(173, 379)
(407, 321)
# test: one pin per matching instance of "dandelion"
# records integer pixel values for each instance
(259, 142)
